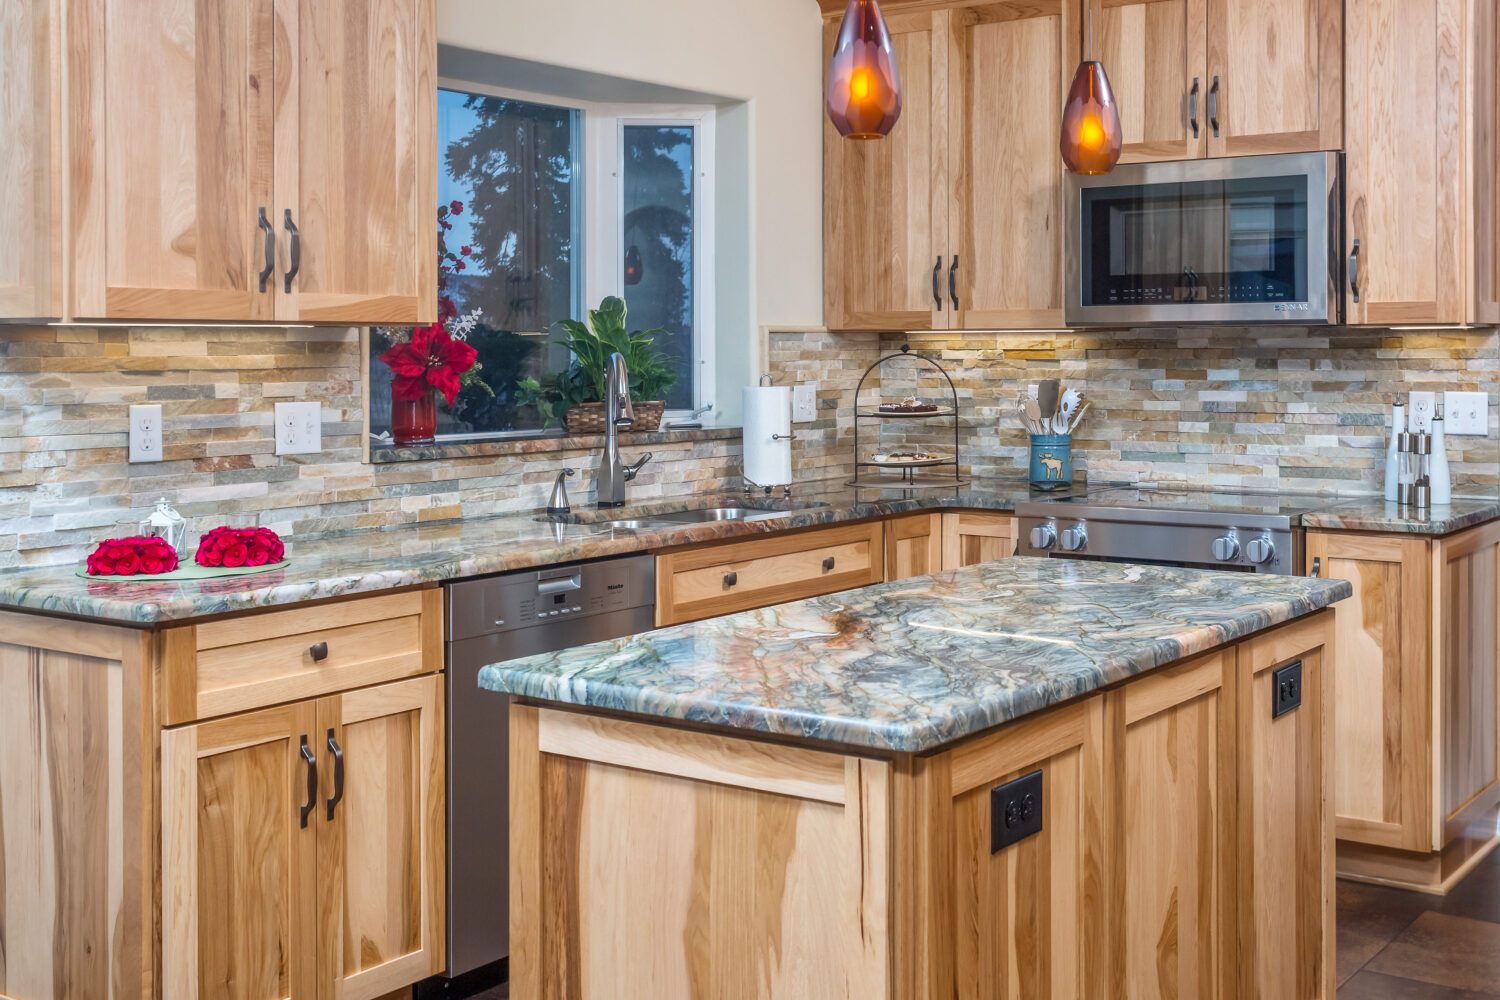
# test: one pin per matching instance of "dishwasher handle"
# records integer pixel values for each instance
(560, 585)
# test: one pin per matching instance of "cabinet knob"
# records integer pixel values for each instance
(318, 651)
(828, 565)
(730, 579)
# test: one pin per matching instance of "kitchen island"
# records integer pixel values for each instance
(1027, 778)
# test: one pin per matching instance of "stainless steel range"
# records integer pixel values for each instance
(1231, 530)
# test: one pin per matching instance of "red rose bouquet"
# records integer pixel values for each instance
(232, 547)
(131, 556)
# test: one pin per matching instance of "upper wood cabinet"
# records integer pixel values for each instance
(1420, 187)
(954, 221)
(244, 161)
(1223, 77)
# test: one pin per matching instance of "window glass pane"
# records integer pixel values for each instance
(509, 171)
(657, 265)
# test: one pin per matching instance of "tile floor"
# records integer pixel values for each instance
(1395, 945)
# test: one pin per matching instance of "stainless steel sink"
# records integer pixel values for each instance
(719, 514)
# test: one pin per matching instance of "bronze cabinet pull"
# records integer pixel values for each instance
(312, 782)
(338, 773)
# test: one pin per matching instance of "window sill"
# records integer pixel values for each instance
(382, 454)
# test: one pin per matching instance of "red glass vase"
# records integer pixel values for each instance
(864, 86)
(414, 421)
(1091, 133)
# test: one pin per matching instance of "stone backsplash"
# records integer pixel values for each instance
(1258, 408)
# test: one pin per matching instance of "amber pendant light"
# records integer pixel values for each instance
(1091, 132)
(864, 88)
(635, 268)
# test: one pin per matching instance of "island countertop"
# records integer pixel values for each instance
(915, 664)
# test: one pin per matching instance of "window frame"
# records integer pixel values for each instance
(599, 163)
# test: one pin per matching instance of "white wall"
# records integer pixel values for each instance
(761, 61)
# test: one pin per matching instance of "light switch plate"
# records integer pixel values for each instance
(1466, 413)
(1420, 410)
(145, 432)
(299, 428)
(805, 403)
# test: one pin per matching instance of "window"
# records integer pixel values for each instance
(551, 207)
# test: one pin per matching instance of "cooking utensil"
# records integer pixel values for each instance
(1046, 397)
(1067, 405)
(1078, 416)
(1033, 412)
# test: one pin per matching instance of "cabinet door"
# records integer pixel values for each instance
(970, 538)
(885, 223)
(30, 163)
(1153, 51)
(1008, 75)
(238, 853)
(913, 546)
(1382, 670)
(381, 837)
(1278, 66)
(1403, 170)
(1467, 665)
(356, 161)
(1285, 873)
(175, 163)
(1173, 788)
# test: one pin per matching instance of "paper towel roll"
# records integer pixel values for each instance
(768, 413)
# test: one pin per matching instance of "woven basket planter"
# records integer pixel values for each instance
(588, 418)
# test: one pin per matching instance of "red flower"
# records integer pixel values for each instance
(466, 250)
(431, 358)
(128, 556)
(225, 546)
(456, 207)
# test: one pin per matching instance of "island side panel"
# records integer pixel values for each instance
(650, 862)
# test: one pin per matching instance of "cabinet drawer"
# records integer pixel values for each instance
(278, 656)
(700, 583)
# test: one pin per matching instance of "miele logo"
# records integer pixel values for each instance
(1291, 307)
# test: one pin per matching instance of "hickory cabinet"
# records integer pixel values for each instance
(1417, 669)
(918, 544)
(247, 807)
(1422, 198)
(244, 161)
(1223, 77)
(954, 221)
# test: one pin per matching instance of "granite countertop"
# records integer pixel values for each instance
(1375, 514)
(367, 561)
(915, 664)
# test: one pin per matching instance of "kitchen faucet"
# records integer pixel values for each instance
(613, 473)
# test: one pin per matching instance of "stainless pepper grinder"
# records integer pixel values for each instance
(559, 502)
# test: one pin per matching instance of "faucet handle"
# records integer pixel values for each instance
(559, 502)
(631, 470)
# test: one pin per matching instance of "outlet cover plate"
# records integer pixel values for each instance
(1015, 811)
(1286, 689)
(299, 428)
(1466, 413)
(804, 403)
(145, 432)
(1421, 408)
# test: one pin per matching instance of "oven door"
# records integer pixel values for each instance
(1250, 239)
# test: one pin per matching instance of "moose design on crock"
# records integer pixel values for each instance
(1052, 465)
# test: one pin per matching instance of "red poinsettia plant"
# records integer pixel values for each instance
(140, 554)
(232, 547)
(436, 356)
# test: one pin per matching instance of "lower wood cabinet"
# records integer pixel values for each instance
(1417, 671)
(918, 544)
(913, 546)
(302, 848)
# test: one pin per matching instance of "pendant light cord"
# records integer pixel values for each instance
(1090, 15)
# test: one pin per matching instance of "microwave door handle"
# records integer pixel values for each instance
(1193, 107)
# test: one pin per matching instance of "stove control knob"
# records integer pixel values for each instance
(1260, 550)
(1076, 537)
(1044, 535)
(1226, 548)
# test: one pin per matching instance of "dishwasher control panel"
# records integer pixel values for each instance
(529, 598)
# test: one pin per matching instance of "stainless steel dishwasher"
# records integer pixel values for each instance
(493, 619)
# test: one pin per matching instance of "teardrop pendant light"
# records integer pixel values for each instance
(1091, 134)
(864, 87)
(635, 268)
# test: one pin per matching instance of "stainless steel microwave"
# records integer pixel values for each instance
(1242, 239)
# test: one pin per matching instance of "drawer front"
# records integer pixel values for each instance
(279, 656)
(702, 583)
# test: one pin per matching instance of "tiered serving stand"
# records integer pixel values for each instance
(917, 473)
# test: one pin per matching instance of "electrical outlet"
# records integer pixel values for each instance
(1466, 413)
(1420, 410)
(145, 432)
(805, 402)
(299, 428)
(1015, 811)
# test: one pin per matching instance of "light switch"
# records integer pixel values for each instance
(145, 432)
(299, 428)
(804, 403)
(1466, 413)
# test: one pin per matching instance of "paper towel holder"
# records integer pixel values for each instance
(766, 381)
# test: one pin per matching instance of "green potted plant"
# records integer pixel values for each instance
(574, 397)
